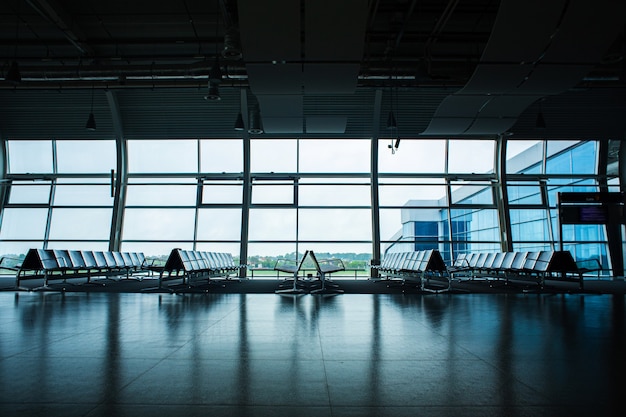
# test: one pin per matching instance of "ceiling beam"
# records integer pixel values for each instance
(54, 13)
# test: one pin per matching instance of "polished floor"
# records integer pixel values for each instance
(130, 354)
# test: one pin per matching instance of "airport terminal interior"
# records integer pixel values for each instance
(312, 207)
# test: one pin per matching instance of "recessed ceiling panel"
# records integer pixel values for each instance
(275, 79)
(330, 78)
(441, 126)
(496, 79)
(490, 126)
(282, 124)
(281, 105)
(507, 106)
(326, 124)
(458, 105)
(553, 79)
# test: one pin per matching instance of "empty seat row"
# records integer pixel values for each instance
(412, 262)
(536, 265)
(420, 266)
(63, 264)
(190, 264)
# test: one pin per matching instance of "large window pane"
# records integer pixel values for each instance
(161, 195)
(413, 195)
(473, 225)
(222, 192)
(30, 156)
(221, 155)
(228, 247)
(28, 192)
(578, 160)
(217, 224)
(265, 254)
(86, 156)
(159, 224)
(334, 224)
(16, 251)
(272, 224)
(267, 155)
(523, 155)
(472, 193)
(481, 152)
(524, 193)
(158, 251)
(334, 155)
(412, 156)
(334, 195)
(70, 193)
(529, 225)
(164, 156)
(80, 223)
(412, 228)
(273, 192)
(23, 223)
(79, 245)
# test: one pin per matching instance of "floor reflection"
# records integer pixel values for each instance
(118, 354)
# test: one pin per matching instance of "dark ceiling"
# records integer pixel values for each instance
(320, 67)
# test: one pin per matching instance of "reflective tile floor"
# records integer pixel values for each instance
(121, 354)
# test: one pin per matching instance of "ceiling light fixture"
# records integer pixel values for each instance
(255, 125)
(239, 122)
(214, 93)
(91, 121)
(232, 44)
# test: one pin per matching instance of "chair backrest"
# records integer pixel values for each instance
(507, 262)
(101, 259)
(473, 259)
(519, 260)
(480, 261)
(530, 261)
(211, 263)
(48, 260)
(119, 260)
(497, 261)
(110, 259)
(128, 261)
(397, 262)
(63, 258)
(460, 261)
(78, 262)
(89, 259)
(230, 261)
(491, 256)
(142, 258)
(135, 260)
(543, 261)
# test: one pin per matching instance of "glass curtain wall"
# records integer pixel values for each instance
(305, 194)
(58, 195)
(183, 194)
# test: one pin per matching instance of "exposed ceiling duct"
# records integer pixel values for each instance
(536, 48)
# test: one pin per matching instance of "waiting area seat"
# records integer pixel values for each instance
(534, 266)
(62, 264)
(423, 267)
(323, 267)
(193, 268)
